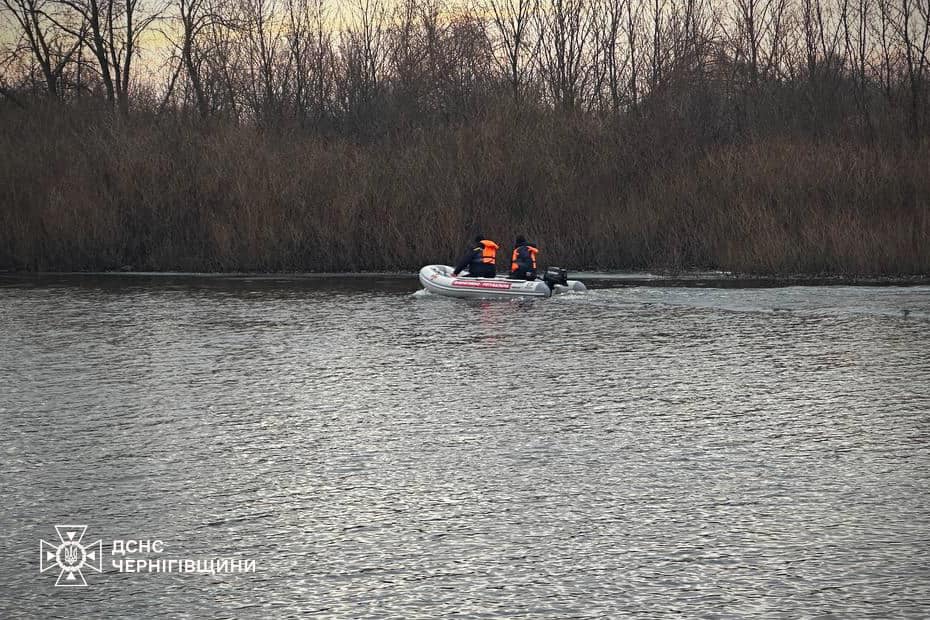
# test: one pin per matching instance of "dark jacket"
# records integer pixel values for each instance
(523, 261)
(475, 261)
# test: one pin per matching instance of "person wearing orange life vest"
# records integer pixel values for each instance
(480, 260)
(523, 261)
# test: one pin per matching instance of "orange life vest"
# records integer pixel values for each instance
(527, 257)
(488, 251)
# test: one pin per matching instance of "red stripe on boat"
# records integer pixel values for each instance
(479, 284)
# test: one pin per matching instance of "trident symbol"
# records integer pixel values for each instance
(71, 555)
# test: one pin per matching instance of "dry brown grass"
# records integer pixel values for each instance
(86, 190)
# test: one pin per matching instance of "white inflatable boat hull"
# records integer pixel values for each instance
(438, 279)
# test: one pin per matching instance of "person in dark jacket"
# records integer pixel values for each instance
(480, 260)
(523, 261)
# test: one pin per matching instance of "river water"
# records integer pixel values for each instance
(642, 450)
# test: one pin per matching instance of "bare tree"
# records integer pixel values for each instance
(566, 29)
(913, 29)
(311, 49)
(267, 68)
(362, 55)
(512, 21)
(203, 42)
(659, 52)
(887, 62)
(634, 21)
(422, 61)
(608, 29)
(751, 19)
(50, 46)
(110, 29)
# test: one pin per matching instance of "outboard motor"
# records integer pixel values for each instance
(555, 275)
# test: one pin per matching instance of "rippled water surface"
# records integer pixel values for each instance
(637, 451)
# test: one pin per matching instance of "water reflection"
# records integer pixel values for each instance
(635, 451)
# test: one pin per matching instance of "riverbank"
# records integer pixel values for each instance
(402, 280)
(90, 191)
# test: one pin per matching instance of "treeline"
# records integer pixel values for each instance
(756, 135)
(369, 65)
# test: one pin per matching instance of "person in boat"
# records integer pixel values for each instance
(480, 260)
(523, 261)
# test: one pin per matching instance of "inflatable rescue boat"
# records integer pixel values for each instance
(438, 279)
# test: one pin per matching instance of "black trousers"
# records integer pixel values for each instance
(481, 270)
